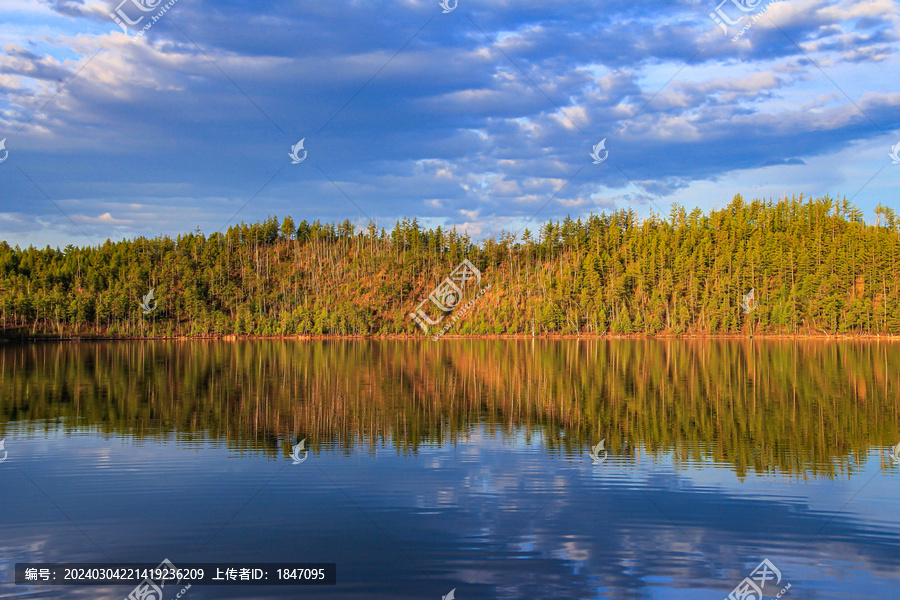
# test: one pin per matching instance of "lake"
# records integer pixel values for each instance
(460, 465)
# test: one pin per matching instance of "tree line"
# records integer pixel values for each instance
(814, 265)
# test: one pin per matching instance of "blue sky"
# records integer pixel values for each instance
(482, 118)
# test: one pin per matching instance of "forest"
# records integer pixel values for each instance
(816, 267)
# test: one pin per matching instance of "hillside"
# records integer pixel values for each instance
(815, 266)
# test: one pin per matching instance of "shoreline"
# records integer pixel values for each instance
(426, 337)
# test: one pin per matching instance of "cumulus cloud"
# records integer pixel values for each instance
(474, 119)
(104, 219)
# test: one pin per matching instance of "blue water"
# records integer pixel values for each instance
(495, 510)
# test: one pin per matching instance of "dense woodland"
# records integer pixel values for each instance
(816, 265)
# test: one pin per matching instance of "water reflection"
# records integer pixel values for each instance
(491, 520)
(461, 465)
(803, 408)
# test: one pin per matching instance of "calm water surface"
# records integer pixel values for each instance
(459, 465)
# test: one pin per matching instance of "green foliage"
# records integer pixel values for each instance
(815, 265)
